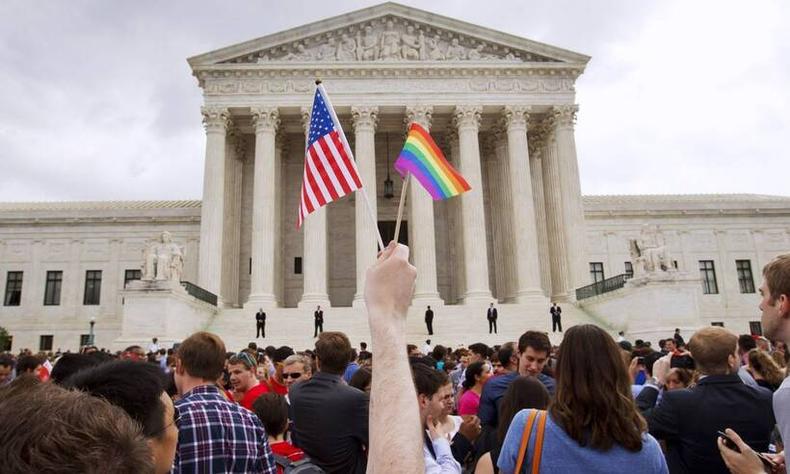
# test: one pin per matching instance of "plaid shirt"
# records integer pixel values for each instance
(215, 435)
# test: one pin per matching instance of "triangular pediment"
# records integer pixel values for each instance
(388, 33)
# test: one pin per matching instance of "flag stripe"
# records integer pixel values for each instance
(423, 159)
(323, 172)
(329, 169)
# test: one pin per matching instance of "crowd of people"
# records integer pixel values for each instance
(715, 403)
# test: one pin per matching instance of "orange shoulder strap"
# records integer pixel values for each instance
(538, 451)
(522, 450)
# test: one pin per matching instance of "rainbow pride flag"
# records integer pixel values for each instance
(424, 160)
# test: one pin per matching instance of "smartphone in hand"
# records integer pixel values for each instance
(767, 462)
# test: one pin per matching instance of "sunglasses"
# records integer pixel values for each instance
(292, 375)
(244, 358)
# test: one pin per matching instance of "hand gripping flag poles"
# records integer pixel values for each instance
(424, 160)
(329, 168)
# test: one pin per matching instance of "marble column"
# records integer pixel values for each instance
(364, 121)
(232, 226)
(314, 253)
(212, 213)
(578, 265)
(555, 227)
(422, 240)
(507, 267)
(264, 192)
(458, 283)
(525, 234)
(467, 121)
(537, 146)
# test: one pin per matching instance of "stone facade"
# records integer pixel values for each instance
(503, 110)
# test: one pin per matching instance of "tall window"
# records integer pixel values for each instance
(756, 328)
(297, 265)
(708, 274)
(629, 270)
(130, 275)
(13, 289)
(596, 271)
(85, 340)
(745, 278)
(52, 288)
(45, 342)
(92, 287)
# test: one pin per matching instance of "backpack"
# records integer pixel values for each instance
(305, 466)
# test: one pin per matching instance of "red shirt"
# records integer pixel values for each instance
(252, 395)
(277, 386)
(286, 449)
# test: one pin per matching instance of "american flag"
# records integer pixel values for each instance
(329, 169)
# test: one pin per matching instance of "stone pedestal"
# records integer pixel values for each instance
(161, 309)
(650, 307)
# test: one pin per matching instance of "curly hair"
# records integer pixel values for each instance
(593, 402)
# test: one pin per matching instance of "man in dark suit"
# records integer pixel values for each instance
(260, 324)
(330, 419)
(491, 315)
(688, 419)
(429, 320)
(556, 317)
(318, 321)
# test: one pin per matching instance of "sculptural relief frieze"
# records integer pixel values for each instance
(391, 84)
(390, 39)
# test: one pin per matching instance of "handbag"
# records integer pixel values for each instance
(538, 416)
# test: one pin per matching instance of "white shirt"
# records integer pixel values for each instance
(426, 349)
(153, 347)
(444, 462)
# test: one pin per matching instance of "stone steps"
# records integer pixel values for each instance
(453, 325)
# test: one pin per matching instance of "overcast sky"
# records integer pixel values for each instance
(97, 101)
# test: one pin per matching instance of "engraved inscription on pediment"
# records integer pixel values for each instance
(390, 39)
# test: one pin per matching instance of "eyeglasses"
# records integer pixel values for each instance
(176, 419)
(292, 375)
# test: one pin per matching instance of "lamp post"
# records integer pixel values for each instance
(90, 337)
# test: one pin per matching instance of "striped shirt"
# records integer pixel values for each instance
(215, 435)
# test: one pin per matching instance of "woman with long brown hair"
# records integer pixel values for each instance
(592, 424)
(764, 370)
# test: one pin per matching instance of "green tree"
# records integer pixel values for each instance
(5, 339)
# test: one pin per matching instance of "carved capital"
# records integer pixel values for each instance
(420, 114)
(265, 119)
(565, 115)
(365, 117)
(516, 116)
(216, 119)
(467, 116)
(305, 114)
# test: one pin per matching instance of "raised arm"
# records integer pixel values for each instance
(395, 433)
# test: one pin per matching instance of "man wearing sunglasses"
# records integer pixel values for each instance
(296, 368)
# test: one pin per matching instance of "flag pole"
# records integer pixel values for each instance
(400, 207)
(351, 154)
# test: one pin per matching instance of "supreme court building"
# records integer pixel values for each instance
(502, 108)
